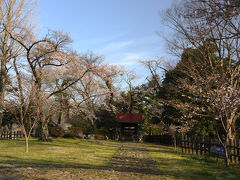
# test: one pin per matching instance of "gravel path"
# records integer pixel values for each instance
(133, 160)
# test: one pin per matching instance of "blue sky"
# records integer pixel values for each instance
(123, 31)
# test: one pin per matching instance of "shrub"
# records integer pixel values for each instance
(74, 131)
(56, 131)
(38, 131)
(99, 137)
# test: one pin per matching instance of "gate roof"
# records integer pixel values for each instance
(129, 118)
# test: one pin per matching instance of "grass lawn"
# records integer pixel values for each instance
(70, 154)
(175, 165)
(81, 159)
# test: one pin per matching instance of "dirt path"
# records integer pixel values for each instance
(133, 161)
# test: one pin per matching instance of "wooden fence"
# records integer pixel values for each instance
(161, 139)
(210, 147)
(11, 135)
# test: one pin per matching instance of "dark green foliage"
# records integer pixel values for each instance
(202, 129)
(107, 124)
(79, 122)
(8, 119)
(167, 102)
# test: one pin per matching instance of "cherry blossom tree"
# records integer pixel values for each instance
(210, 31)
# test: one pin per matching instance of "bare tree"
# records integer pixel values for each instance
(15, 17)
(40, 55)
(21, 103)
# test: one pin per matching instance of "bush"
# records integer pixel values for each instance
(56, 131)
(74, 131)
(99, 137)
(38, 131)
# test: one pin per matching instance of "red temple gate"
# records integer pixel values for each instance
(129, 123)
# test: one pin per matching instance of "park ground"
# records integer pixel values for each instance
(81, 159)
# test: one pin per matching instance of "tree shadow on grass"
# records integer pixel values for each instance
(129, 166)
(189, 168)
(188, 155)
(84, 143)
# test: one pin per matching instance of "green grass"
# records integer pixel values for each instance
(176, 165)
(81, 159)
(61, 153)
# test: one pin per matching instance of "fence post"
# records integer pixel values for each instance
(205, 146)
(192, 137)
(201, 144)
(181, 142)
(210, 144)
(185, 143)
(196, 145)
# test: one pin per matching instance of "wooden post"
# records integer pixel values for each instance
(204, 146)
(201, 149)
(196, 145)
(182, 142)
(210, 144)
(185, 143)
(192, 144)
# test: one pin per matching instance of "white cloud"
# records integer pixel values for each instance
(131, 59)
(115, 46)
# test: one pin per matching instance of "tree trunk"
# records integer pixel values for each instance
(2, 88)
(174, 142)
(227, 160)
(230, 129)
(26, 143)
(60, 117)
(94, 127)
(44, 136)
(61, 113)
